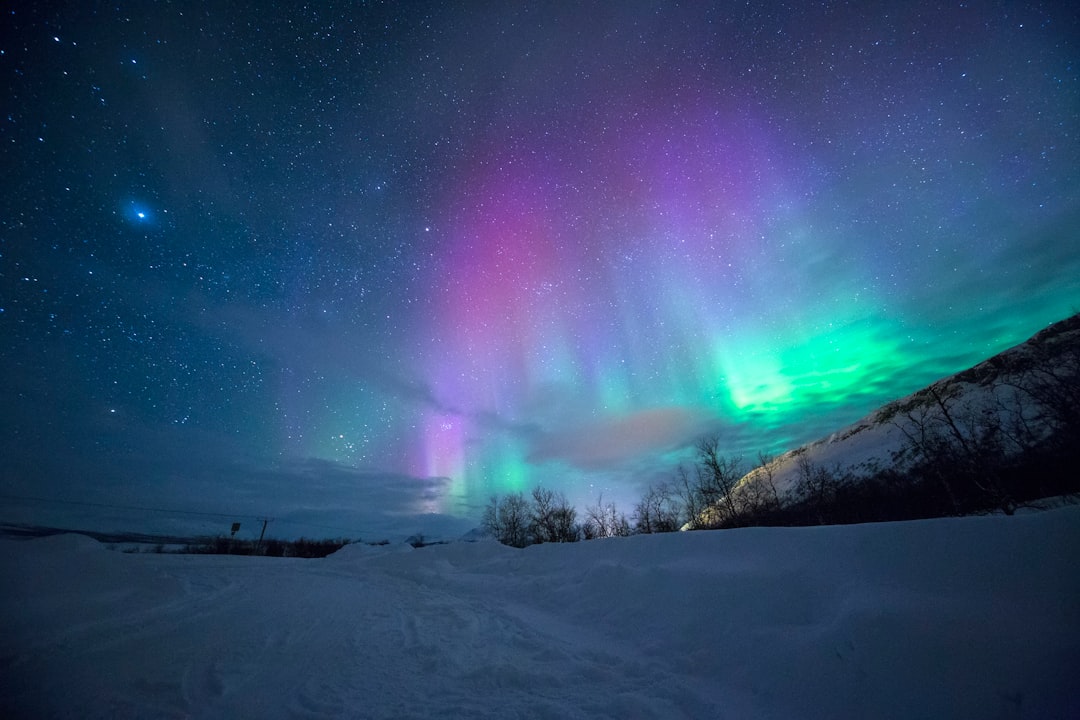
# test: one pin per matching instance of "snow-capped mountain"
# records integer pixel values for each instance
(1027, 393)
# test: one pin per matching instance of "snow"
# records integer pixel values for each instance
(860, 448)
(962, 618)
(876, 441)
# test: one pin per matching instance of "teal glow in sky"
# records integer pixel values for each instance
(373, 264)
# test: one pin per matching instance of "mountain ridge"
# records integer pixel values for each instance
(1015, 382)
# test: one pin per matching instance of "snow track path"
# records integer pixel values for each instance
(976, 617)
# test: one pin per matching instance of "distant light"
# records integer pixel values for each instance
(142, 215)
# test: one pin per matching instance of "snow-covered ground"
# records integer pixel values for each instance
(957, 618)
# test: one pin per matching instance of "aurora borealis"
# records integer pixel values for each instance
(355, 263)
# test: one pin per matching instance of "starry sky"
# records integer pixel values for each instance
(358, 266)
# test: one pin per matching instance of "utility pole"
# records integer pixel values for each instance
(259, 544)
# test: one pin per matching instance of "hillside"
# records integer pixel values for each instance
(1018, 400)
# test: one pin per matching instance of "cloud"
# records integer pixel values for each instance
(316, 484)
(127, 474)
(616, 441)
(310, 496)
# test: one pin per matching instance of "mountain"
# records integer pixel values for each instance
(1019, 407)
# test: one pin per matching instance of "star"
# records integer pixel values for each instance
(138, 213)
(523, 255)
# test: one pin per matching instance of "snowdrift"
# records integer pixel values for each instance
(959, 618)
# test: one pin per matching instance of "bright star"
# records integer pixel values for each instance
(138, 213)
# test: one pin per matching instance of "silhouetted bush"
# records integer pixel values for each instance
(301, 548)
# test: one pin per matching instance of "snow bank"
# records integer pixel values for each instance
(959, 618)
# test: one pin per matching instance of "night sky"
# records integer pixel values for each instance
(358, 266)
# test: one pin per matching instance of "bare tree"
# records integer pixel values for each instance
(553, 519)
(541, 521)
(767, 480)
(565, 523)
(756, 495)
(816, 487)
(507, 519)
(657, 511)
(604, 521)
(923, 442)
(717, 476)
(962, 447)
(1052, 381)
(689, 495)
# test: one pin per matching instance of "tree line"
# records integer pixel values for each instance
(1015, 441)
(699, 497)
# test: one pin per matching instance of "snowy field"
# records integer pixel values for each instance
(956, 618)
